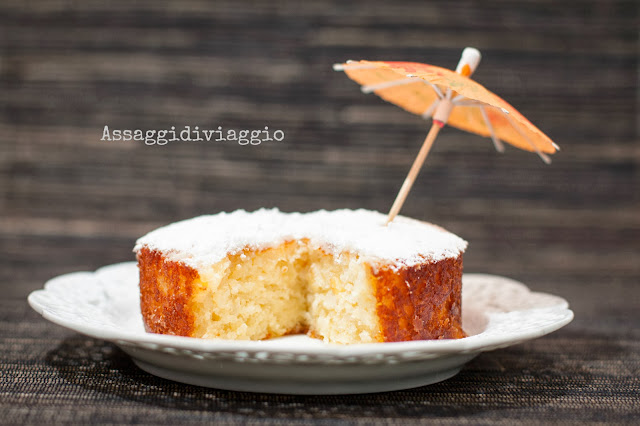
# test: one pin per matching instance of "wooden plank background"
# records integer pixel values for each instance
(69, 201)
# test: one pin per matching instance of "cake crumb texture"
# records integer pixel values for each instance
(296, 288)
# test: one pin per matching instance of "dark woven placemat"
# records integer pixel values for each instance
(576, 375)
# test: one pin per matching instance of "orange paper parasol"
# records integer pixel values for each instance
(447, 97)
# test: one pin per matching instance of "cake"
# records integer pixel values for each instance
(341, 276)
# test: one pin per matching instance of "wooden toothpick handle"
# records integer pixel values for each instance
(413, 173)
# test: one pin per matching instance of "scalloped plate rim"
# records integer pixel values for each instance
(476, 343)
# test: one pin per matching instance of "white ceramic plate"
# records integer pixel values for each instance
(497, 312)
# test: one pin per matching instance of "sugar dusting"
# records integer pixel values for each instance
(205, 240)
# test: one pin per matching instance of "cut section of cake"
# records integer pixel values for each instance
(341, 276)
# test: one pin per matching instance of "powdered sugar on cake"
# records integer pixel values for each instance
(205, 240)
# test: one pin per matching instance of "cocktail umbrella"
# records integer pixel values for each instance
(448, 97)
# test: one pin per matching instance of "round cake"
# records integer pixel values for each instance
(342, 276)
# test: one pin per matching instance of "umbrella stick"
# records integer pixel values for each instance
(413, 173)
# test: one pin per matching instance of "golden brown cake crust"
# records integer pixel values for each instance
(420, 302)
(413, 303)
(165, 294)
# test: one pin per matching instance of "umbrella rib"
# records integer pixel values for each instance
(543, 156)
(343, 67)
(430, 110)
(497, 143)
(435, 88)
(384, 85)
(461, 100)
(469, 102)
(449, 92)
